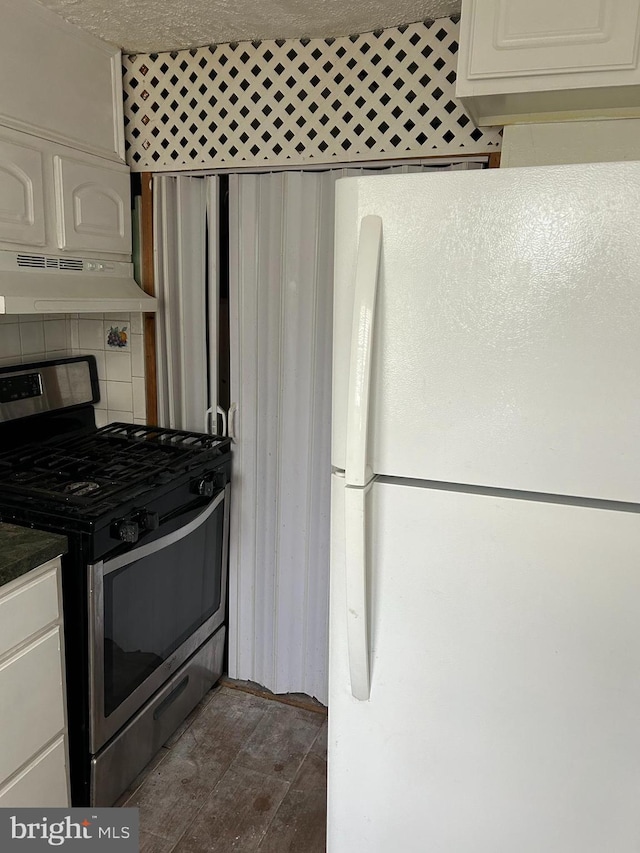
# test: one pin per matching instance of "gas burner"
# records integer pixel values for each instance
(98, 469)
(80, 489)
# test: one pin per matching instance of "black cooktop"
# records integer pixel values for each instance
(90, 471)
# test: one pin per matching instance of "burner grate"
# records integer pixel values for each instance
(114, 463)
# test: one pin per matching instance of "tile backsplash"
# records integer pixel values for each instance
(116, 340)
(28, 337)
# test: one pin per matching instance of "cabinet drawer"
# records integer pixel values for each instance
(42, 784)
(28, 609)
(93, 204)
(31, 701)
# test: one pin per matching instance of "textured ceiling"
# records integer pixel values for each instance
(147, 26)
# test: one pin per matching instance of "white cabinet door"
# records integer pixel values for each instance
(33, 738)
(55, 198)
(59, 82)
(530, 61)
(516, 37)
(21, 195)
(93, 206)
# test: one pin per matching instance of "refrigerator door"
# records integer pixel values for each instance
(505, 342)
(505, 678)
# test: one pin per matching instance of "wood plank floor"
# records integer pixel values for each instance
(243, 773)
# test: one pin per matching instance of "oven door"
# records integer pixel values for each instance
(149, 610)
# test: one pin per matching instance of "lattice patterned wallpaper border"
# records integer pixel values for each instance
(381, 95)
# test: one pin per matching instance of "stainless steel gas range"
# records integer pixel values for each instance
(146, 514)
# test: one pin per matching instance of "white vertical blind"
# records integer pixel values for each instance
(281, 295)
(180, 205)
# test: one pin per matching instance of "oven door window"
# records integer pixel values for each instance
(153, 604)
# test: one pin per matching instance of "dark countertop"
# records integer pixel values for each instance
(23, 549)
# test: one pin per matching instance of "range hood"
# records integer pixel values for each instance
(32, 283)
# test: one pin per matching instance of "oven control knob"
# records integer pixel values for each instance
(125, 531)
(149, 519)
(203, 487)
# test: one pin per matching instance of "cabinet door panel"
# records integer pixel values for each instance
(21, 197)
(43, 784)
(31, 701)
(511, 38)
(93, 206)
(59, 82)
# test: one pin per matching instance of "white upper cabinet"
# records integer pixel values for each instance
(533, 60)
(21, 195)
(58, 82)
(62, 200)
(93, 206)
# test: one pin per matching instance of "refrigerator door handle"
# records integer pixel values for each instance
(366, 286)
(357, 592)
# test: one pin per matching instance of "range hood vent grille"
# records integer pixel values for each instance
(42, 262)
(35, 283)
(70, 264)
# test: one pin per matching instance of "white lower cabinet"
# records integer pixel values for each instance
(33, 734)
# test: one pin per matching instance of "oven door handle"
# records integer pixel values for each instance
(158, 544)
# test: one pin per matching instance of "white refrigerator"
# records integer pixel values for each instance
(485, 564)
